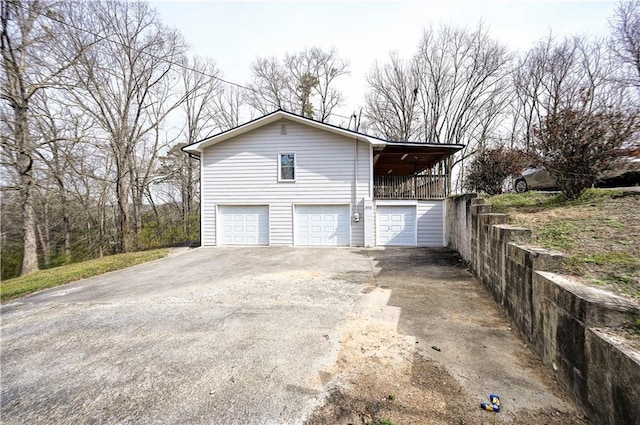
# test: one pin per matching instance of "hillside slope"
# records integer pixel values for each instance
(600, 232)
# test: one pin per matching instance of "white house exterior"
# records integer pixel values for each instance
(286, 180)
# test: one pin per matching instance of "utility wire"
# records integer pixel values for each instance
(173, 63)
(121, 44)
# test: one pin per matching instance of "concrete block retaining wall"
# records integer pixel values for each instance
(566, 322)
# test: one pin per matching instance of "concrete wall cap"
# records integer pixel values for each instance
(539, 250)
(618, 341)
(463, 196)
(510, 226)
(591, 294)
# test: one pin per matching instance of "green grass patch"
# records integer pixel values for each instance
(538, 200)
(614, 258)
(49, 278)
(533, 201)
(611, 222)
(599, 232)
(557, 235)
(616, 268)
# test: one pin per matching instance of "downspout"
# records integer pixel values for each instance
(202, 203)
(449, 164)
(356, 215)
(371, 163)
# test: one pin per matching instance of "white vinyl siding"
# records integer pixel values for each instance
(244, 170)
(431, 223)
(243, 225)
(322, 225)
(207, 224)
(281, 224)
(396, 225)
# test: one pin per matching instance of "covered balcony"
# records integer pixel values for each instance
(403, 170)
(423, 186)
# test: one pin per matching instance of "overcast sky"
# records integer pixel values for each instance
(235, 33)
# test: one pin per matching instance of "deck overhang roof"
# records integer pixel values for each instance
(406, 158)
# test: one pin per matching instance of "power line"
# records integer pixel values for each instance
(178, 64)
(173, 63)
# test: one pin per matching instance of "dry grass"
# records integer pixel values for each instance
(600, 232)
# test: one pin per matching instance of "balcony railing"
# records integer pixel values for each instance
(432, 186)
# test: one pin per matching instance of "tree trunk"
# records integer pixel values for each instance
(25, 163)
(45, 244)
(101, 228)
(66, 228)
(122, 189)
(30, 256)
(186, 203)
(156, 214)
(136, 201)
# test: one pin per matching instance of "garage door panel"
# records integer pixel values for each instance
(322, 225)
(244, 225)
(396, 225)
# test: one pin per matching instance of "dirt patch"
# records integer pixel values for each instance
(380, 378)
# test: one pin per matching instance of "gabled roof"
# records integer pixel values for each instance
(197, 147)
(391, 157)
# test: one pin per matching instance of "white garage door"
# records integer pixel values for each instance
(244, 225)
(322, 225)
(396, 225)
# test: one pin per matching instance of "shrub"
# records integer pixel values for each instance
(577, 146)
(490, 167)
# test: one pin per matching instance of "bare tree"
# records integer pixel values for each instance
(625, 26)
(269, 88)
(228, 106)
(302, 80)
(302, 83)
(91, 93)
(556, 75)
(463, 90)
(489, 168)
(321, 70)
(204, 110)
(29, 65)
(62, 129)
(577, 146)
(199, 81)
(19, 38)
(92, 191)
(180, 172)
(125, 81)
(392, 101)
(543, 81)
(460, 72)
(574, 117)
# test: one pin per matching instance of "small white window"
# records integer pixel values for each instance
(286, 167)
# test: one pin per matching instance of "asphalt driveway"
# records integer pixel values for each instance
(243, 336)
(230, 336)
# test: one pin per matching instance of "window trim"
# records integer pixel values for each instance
(295, 167)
